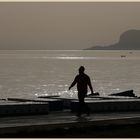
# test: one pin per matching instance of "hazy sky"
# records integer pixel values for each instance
(65, 25)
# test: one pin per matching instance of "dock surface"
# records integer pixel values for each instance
(114, 118)
(10, 126)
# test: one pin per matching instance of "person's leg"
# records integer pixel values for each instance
(81, 104)
(86, 108)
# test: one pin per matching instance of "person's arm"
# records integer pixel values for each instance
(73, 83)
(90, 86)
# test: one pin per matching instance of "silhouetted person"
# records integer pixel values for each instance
(83, 81)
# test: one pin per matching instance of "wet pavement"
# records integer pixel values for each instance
(65, 118)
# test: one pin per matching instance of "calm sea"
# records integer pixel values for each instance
(33, 73)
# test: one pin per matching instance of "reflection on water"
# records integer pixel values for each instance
(34, 73)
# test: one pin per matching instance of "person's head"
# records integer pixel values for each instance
(81, 70)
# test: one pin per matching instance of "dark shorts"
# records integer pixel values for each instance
(82, 94)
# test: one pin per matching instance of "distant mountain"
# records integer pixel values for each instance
(129, 40)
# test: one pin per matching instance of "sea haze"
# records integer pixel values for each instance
(33, 73)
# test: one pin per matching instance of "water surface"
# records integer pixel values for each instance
(33, 73)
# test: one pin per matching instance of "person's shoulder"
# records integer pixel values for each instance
(86, 75)
(77, 76)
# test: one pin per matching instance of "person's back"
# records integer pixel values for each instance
(83, 81)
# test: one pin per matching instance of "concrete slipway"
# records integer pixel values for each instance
(33, 115)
